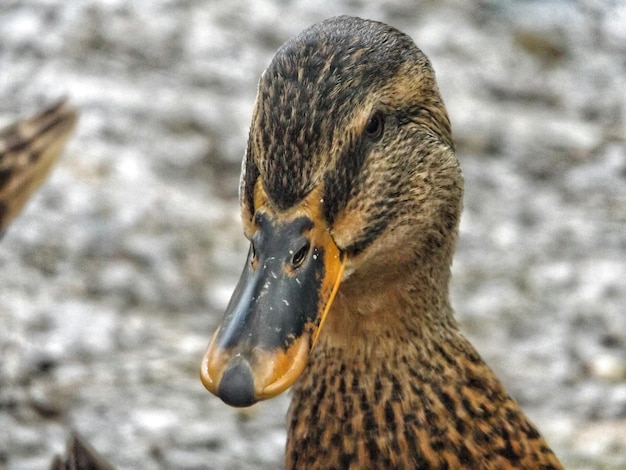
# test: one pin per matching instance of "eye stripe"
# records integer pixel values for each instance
(369, 235)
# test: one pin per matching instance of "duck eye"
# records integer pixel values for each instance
(375, 125)
(300, 255)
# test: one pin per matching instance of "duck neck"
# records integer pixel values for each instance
(393, 304)
(377, 402)
(393, 384)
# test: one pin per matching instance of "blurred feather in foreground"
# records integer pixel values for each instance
(28, 148)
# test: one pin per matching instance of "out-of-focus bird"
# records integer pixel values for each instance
(80, 455)
(351, 195)
(28, 149)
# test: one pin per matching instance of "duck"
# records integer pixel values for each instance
(28, 149)
(350, 196)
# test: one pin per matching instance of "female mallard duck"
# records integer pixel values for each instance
(28, 148)
(351, 197)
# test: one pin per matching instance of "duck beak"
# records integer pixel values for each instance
(271, 324)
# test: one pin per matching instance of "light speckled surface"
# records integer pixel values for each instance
(118, 270)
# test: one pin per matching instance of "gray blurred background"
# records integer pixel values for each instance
(115, 275)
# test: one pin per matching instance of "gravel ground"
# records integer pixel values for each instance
(118, 270)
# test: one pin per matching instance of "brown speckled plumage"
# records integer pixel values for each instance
(28, 148)
(413, 407)
(391, 383)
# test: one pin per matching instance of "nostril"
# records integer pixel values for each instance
(252, 254)
(300, 255)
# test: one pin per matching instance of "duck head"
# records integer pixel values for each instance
(349, 184)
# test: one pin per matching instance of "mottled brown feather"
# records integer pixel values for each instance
(28, 149)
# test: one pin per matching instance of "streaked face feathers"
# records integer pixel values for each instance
(318, 102)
